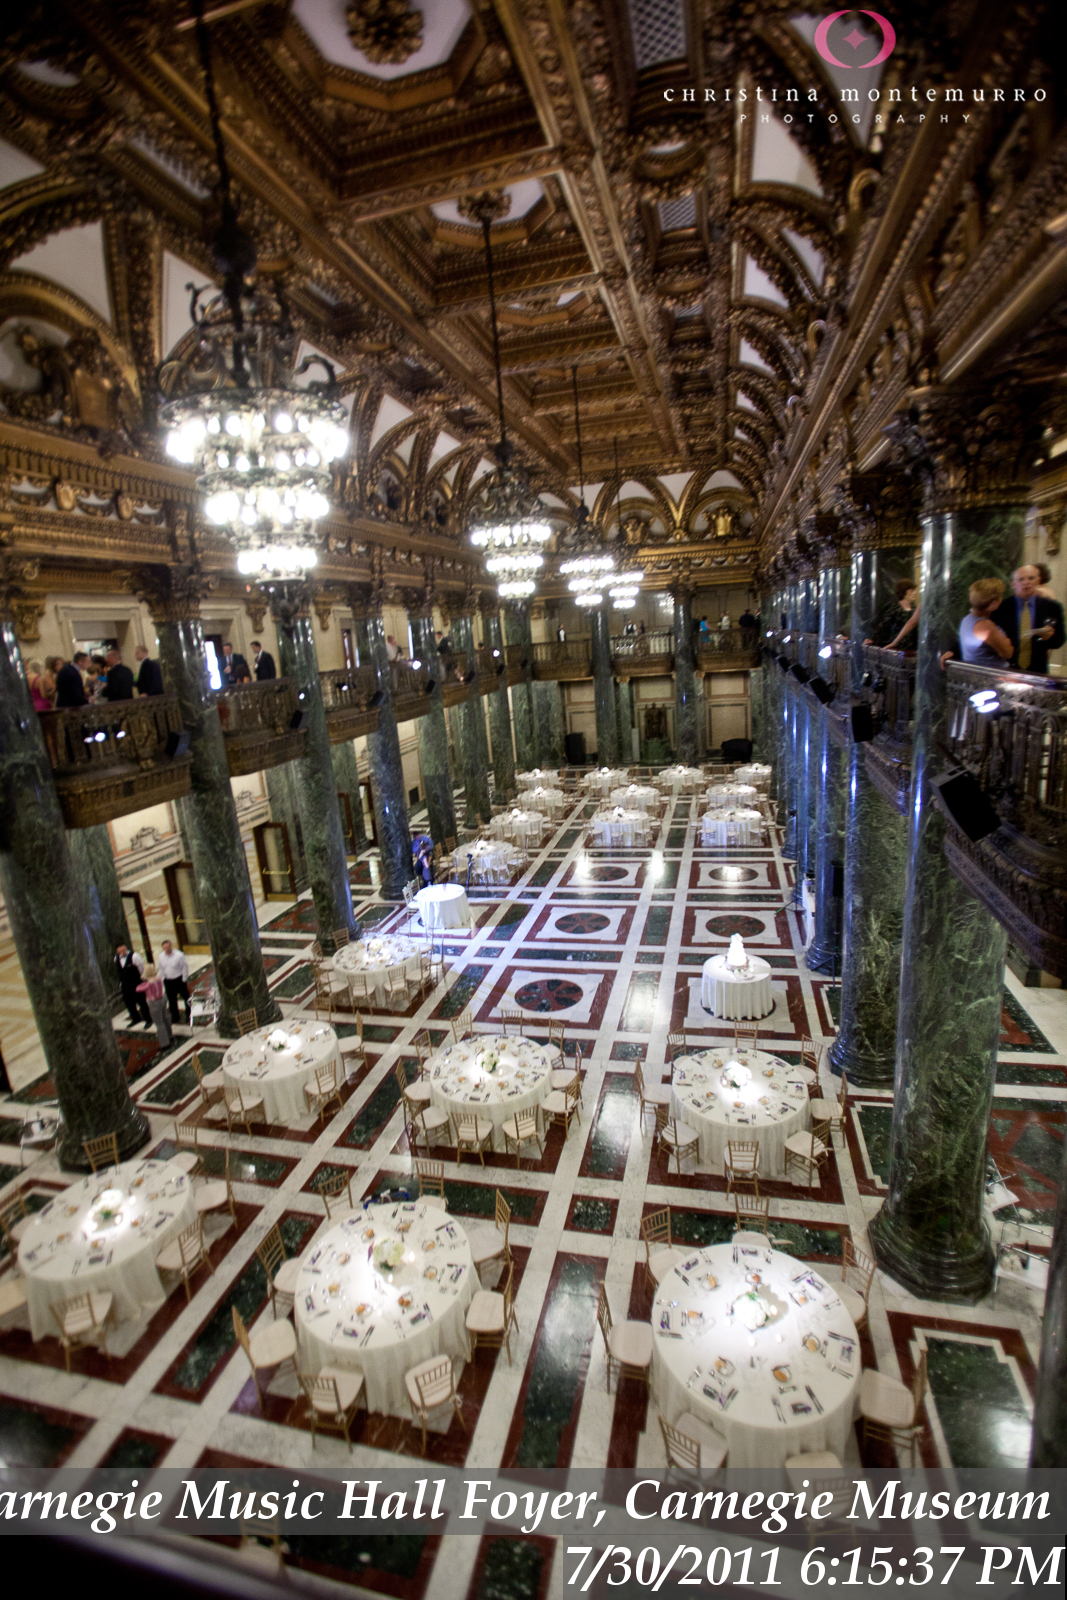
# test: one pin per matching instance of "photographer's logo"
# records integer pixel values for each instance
(855, 40)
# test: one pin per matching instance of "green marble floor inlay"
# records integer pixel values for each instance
(562, 1353)
(676, 838)
(30, 1439)
(544, 952)
(399, 1555)
(181, 1083)
(1039, 1148)
(876, 1123)
(569, 838)
(700, 1227)
(609, 1142)
(657, 925)
(981, 1412)
(294, 983)
(375, 1113)
(1024, 1075)
(591, 1216)
(543, 874)
(129, 1451)
(507, 925)
(639, 1009)
(1019, 1031)
(463, 990)
(512, 1570)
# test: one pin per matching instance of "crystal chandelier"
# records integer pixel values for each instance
(261, 445)
(625, 586)
(510, 525)
(587, 569)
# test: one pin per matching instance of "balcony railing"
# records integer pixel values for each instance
(257, 724)
(346, 695)
(113, 758)
(563, 658)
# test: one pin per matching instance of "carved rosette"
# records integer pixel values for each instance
(385, 30)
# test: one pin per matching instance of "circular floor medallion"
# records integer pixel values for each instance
(548, 994)
(582, 922)
(733, 874)
(605, 874)
(726, 927)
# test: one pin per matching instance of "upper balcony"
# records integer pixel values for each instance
(347, 693)
(111, 759)
(260, 724)
(563, 659)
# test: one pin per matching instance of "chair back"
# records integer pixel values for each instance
(271, 1252)
(431, 1176)
(639, 1080)
(462, 1026)
(197, 1068)
(526, 1125)
(842, 1099)
(502, 1218)
(511, 1019)
(809, 1052)
(603, 1316)
(316, 951)
(422, 1043)
(241, 1333)
(341, 937)
(436, 1384)
(509, 1291)
(859, 1265)
(191, 1243)
(245, 1021)
(103, 1151)
(746, 1035)
(358, 988)
(682, 1451)
(821, 1132)
(753, 1211)
(401, 1078)
(409, 894)
(79, 1308)
(743, 1154)
(656, 1226)
(322, 1395)
(675, 1045)
(337, 1193)
(326, 1079)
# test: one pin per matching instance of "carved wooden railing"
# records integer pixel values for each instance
(563, 658)
(888, 682)
(257, 724)
(346, 695)
(113, 758)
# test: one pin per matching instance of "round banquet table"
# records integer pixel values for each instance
(602, 822)
(522, 824)
(277, 1077)
(730, 794)
(460, 1080)
(756, 773)
(771, 1106)
(771, 1391)
(348, 1312)
(544, 799)
(603, 780)
(377, 958)
(726, 993)
(636, 797)
(486, 856)
(536, 777)
(682, 778)
(748, 825)
(65, 1252)
(443, 905)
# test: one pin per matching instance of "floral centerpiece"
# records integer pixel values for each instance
(109, 1209)
(489, 1060)
(278, 1040)
(735, 1076)
(388, 1255)
(753, 1311)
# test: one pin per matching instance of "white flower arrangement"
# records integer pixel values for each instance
(388, 1255)
(278, 1040)
(735, 1076)
(753, 1311)
(489, 1061)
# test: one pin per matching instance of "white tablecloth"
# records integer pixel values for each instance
(717, 827)
(730, 794)
(680, 778)
(736, 994)
(545, 799)
(460, 1079)
(604, 779)
(538, 776)
(486, 856)
(444, 905)
(517, 825)
(348, 1311)
(771, 1106)
(771, 1394)
(376, 958)
(758, 775)
(602, 823)
(278, 1076)
(636, 797)
(64, 1252)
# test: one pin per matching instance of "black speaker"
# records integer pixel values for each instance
(821, 689)
(965, 802)
(431, 685)
(838, 887)
(177, 744)
(377, 699)
(783, 662)
(575, 749)
(799, 672)
(524, 663)
(469, 677)
(501, 666)
(298, 720)
(862, 723)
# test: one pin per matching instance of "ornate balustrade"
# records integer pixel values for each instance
(563, 658)
(410, 688)
(651, 655)
(346, 694)
(257, 724)
(727, 650)
(113, 758)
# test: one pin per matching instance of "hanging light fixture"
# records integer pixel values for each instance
(510, 525)
(586, 568)
(261, 445)
(625, 586)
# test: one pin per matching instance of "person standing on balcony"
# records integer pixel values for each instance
(392, 649)
(130, 967)
(263, 663)
(119, 684)
(896, 619)
(747, 620)
(174, 970)
(233, 668)
(1032, 623)
(982, 642)
(150, 677)
(70, 691)
(724, 622)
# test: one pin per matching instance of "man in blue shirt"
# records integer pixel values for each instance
(1033, 623)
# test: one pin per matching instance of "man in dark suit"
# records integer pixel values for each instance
(233, 668)
(119, 684)
(263, 662)
(149, 678)
(70, 691)
(1032, 623)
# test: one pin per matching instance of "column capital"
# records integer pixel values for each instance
(972, 448)
(172, 594)
(827, 539)
(289, 603)
(879, 509)
(15, 571)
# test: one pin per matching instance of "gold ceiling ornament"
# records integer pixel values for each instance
(488, 205)
(385, 30)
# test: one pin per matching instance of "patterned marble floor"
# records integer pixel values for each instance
(609, 943)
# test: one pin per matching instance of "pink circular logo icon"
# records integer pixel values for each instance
(855, 39)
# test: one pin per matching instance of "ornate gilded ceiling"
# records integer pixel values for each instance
(748, 277)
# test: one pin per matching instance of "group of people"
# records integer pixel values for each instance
(234, 668)
(60, 685)
(153, 991)
(1019, 629)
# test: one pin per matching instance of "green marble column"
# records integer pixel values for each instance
(388, 790)
(686, 748)
(527, 744)
(876, 854)
(433, 739)
(94, 862)
(548, 702)
(758, 708)
(607, 727)
(787, 766)
(208, 820)
(470, 733)
(802, 791)
(500, 712)
(824, 952)
(312, 773)
(1049, 1443)
(283, 808)
(346, 776)
(931, 1235)
(625, 710)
